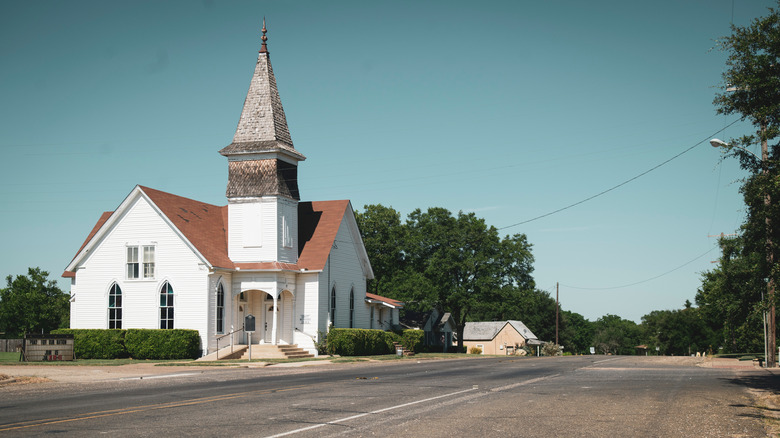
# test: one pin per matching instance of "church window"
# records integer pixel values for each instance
(333, 306)
(115, 307)
(133, 269)
(166, 306)
(148, 261)
(220, 309)
(352, 308)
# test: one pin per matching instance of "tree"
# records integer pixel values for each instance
(454, 263)
(751, 84)
(384, 238)
(576, 333)
(32, 304)
(730, 297)
(678, 332)
(615, 335)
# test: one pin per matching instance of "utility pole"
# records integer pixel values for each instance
(771, 360)
(556, 313)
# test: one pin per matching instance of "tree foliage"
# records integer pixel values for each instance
(615, 335)
(435, 259)
(730, 298)
(32, 304)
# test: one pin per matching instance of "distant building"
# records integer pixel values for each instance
(164, 261)
(497, 337)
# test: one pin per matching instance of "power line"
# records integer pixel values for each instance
(647, 280)
(624, 182)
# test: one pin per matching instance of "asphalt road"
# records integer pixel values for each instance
(569, 396)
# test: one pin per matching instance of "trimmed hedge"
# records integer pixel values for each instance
(367, 342)
(96, 343)
(412, 340)
(359, 342)
(162, 344)
(136, 343)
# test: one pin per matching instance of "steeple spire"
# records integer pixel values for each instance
(264, 47)
(262, 159)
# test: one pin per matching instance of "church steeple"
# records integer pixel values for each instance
(262, 160)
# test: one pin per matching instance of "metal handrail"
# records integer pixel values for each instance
(231, 339)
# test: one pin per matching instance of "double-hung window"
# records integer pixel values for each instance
(133, 268)
(148, 261)
(140, 262)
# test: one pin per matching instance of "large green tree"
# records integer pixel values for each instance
(751, 90)
(455, 263)
(32, 304)
(678, 332)
(615, 335)
(730, 298)
(576, 333)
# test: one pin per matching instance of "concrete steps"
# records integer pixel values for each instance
(265, 351)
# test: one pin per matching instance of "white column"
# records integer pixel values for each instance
(273, 327)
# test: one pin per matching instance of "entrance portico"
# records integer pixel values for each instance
(273, 315)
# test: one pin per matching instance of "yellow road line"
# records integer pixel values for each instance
(134, 409)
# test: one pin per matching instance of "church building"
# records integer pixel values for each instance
(164, 261)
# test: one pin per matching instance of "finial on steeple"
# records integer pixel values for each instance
(264, 47)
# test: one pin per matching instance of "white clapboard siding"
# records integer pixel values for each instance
(174, 262)
(345, 272)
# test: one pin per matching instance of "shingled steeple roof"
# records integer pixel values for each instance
(262, 128)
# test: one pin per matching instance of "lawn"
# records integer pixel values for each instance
(13, 359)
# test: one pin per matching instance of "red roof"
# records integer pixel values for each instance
(390, 301)
(206, 228)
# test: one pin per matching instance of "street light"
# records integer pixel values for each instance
(771, 357)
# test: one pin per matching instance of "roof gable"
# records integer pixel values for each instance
(205, 227)
(318, 226)
(199, 224)
(478, 331)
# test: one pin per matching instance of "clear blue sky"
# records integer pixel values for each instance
(508, 109)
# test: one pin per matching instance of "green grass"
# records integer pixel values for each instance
(9, 357)
(13, 359)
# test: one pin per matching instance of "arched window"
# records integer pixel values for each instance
(333, 306)
(166, 306)
(115, 307)
(220, 308)
(352, 308)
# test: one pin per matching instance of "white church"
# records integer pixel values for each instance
(164, 261)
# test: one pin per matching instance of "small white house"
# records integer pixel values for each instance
(164, 261)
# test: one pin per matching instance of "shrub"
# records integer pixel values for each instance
(96, 343)
(412, 340)
(551, 349)
(475, 350)
(359, 342)
(162, 344)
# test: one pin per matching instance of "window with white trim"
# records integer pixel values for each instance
(220, 309)
(133, 268)
(166, 306)
(148, 261)
(352, 308)
(115, 307)
(333, 306)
